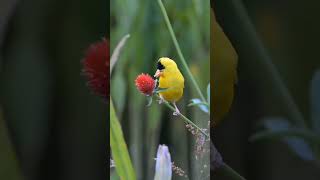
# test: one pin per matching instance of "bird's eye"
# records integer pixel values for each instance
(160, 66)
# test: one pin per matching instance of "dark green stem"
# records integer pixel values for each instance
(227, 170)
(248, 42)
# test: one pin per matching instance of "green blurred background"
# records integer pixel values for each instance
(51, 125)
(147, 127)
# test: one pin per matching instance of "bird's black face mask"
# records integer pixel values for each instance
(160, 66)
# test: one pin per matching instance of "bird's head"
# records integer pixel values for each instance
(164, 65)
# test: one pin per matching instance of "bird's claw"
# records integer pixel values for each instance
(176, 113)
(160, 101)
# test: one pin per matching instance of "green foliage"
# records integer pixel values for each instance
(315, 102)
(149, 40)
(301, 140)
(119, 148)
(296, 139)
(119, 86)
(208, 94)
(204, 106)
(9, 168)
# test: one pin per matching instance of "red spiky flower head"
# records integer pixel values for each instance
(96, 68)
(145, 84)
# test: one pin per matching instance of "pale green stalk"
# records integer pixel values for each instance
(186, 119)
(176, 44)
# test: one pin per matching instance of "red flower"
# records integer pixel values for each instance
(96, 68)
(145, 84)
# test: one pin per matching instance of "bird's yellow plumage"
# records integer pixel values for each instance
(171, 78)
(224, 71)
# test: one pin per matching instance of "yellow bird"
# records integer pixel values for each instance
(170, 78)
(224, 71)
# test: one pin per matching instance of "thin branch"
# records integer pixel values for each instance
(185, 118)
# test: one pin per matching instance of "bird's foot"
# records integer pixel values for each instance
(176, 112)
(161, 100)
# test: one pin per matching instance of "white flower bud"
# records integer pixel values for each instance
(163, 164)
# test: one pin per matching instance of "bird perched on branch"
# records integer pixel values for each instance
(170, 79)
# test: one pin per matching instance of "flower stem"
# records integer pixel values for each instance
(185, 118)
(116, 52)
(176, 44)
(230, 172)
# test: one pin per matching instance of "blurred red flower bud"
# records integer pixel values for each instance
(145, 84)
(96, 68)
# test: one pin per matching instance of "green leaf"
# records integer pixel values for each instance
(202, 105)
(116, 53)
(119, 91)
(119, 149)
(158, 90)
(114, 176)
(208, 94)
(297, 139)
(9, 165)
(315, 102)
(149, 98)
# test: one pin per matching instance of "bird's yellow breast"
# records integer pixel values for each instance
(174, 81)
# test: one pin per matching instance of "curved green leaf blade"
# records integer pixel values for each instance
(278, 128)
(119, 149)
(315, 102)
(202, 105)
(208, 94)
(116, 53)
(9, 166)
